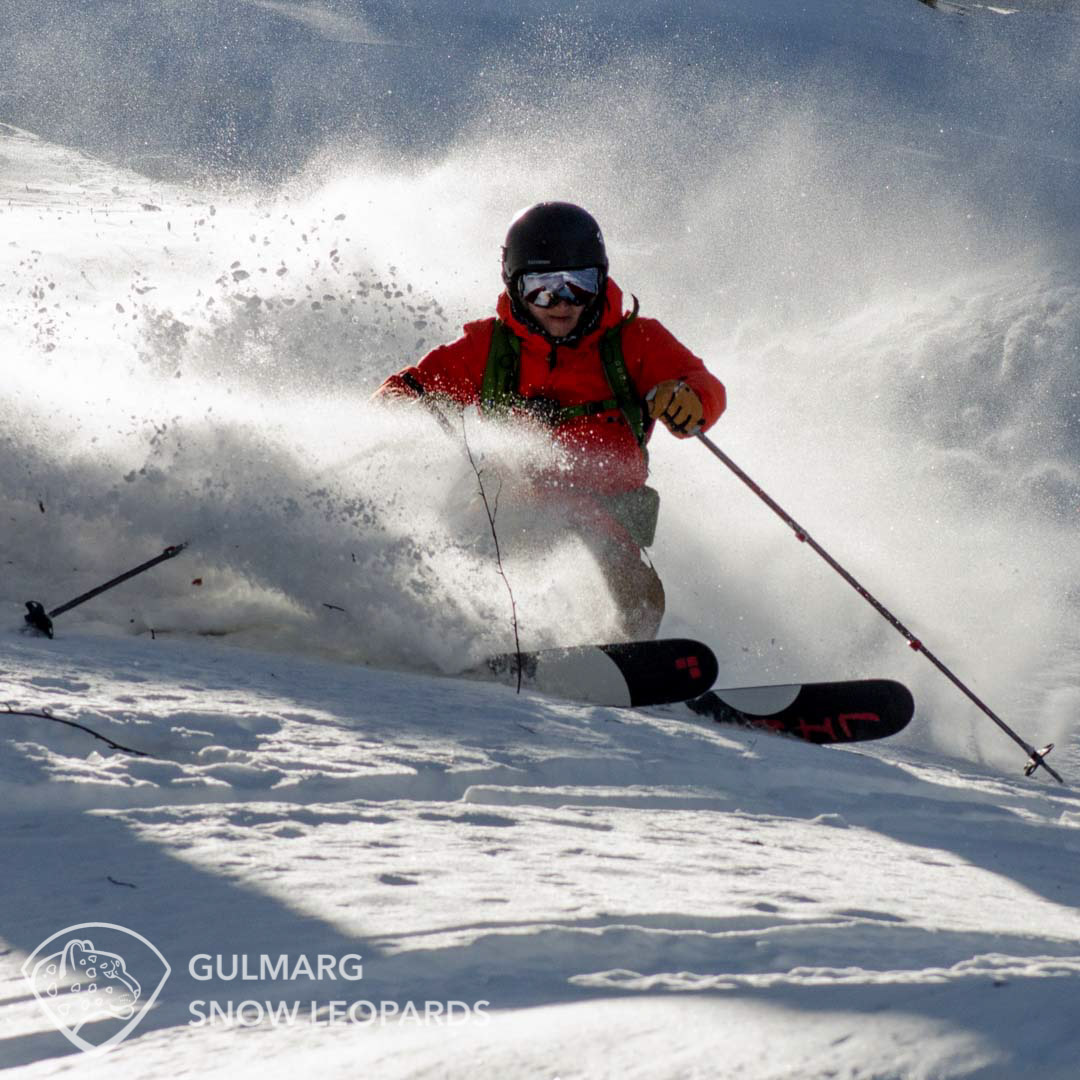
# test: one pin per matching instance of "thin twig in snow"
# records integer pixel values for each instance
(491, 512)
(71, 723)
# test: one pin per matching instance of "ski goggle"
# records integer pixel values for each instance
(578, 287)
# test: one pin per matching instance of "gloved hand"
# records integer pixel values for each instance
(677, 406)
(404, 386)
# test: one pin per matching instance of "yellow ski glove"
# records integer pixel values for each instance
(676, 406)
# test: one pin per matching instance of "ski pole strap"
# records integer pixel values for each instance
(1036, 758)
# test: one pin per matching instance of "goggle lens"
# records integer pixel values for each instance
(577, 287)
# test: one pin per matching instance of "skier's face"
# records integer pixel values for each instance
(560, 319)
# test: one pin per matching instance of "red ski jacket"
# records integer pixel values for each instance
(605, 454)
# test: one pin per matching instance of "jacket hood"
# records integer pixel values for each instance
(611, 315)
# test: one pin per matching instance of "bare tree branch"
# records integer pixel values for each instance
(9, 711)
(491, 512)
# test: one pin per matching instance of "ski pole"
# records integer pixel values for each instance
(1036, 758)
(37, 617)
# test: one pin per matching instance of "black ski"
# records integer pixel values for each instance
(828, 712)
(628, 674)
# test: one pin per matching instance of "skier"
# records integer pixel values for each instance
(561, 350)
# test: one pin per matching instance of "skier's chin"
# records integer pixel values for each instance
(560, 329)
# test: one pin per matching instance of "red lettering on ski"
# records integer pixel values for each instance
(827, 728)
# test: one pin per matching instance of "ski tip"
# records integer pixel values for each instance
(665, 670)
(903, 703)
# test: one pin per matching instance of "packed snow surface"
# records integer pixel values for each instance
(863, 215)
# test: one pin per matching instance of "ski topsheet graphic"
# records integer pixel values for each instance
(828, 712)
(633, 673)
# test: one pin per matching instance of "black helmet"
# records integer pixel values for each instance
(552, 236)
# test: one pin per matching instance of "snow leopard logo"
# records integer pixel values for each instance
(83, 982)
(78, 981)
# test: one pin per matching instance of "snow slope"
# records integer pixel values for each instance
(862, 216)
(635, 896)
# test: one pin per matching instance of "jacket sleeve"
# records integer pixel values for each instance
(653, 354)
(455, 371)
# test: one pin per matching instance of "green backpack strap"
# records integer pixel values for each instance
(500, 389)
(502, 376)
(618, 377)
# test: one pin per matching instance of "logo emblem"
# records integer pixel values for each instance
(690, 665)
(96, 981)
